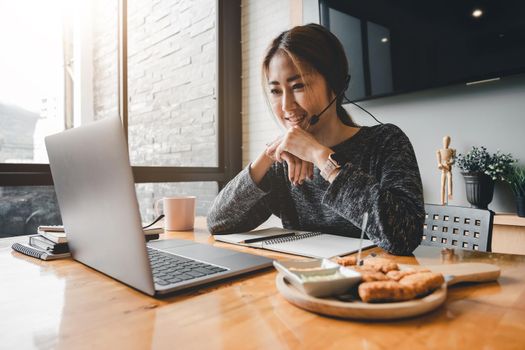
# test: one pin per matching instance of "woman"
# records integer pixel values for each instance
(325, 172)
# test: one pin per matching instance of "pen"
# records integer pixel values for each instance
(258, 239)
(363, 227)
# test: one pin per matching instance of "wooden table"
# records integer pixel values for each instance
(66, 305)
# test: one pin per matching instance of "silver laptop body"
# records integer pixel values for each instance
(96, 194)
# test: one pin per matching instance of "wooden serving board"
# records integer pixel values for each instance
(454, 273)
(466, 272)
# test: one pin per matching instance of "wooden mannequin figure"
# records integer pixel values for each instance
(445, 158)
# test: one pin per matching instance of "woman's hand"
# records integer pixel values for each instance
(298, 169)
(302, 145)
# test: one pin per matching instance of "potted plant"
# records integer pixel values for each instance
(516, 179)
(480, 169)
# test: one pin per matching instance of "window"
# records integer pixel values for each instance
(172, 70)
(23, 208)
(163, 67)
(148, 193)
(32, 91)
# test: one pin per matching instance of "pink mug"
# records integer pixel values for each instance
(179, 212)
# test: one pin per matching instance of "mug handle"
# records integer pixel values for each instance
(156, 207)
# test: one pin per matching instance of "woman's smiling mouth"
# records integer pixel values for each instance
(296, 120)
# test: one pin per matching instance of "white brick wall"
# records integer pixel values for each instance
(105, 58)
(261, 21)
(172, 84)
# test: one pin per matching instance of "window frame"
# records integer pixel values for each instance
(228, 27)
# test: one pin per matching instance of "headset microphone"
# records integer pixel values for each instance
(315, 118)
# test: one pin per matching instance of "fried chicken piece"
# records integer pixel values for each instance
(373, 263)
(381, 291)
(398, 275)
(373, 276)
(381, 264)
(347, 261)
(423, 282)
(369, 274)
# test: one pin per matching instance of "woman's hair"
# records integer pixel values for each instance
(313, 46)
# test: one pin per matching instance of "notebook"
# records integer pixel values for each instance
(310, 244)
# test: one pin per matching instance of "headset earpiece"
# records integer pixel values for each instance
(314, 119)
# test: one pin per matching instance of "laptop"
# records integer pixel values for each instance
(96, 195)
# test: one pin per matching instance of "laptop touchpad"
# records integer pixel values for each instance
(169, 243)
(198, 251)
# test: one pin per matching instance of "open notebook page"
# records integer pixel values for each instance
(317, 245)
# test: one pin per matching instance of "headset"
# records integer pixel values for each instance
(315, 118)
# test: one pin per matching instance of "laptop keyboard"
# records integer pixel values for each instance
(169, 268)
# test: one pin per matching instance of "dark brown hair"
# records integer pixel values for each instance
(319, 49)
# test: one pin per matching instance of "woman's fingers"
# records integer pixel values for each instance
(271, 147)
(282, 148)
(304, 171)
(279, 152)
(290, 160)
(297, 171)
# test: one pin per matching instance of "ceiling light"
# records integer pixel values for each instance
(477, 13)
(384, 40)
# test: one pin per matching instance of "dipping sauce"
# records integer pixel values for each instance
(323, 277)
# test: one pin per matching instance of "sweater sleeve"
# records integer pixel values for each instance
(392, 196)
(241, 205)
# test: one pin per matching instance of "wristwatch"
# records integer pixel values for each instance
(333, 162)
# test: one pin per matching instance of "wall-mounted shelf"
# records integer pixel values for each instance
(508, 219)
(508, 234)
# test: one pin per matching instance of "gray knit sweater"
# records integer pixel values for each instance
(381, 178)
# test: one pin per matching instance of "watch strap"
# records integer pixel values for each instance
(329, 167)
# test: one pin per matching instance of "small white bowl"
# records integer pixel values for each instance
(313, 268)
(302, 273)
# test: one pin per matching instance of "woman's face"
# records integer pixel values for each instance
(294, 98)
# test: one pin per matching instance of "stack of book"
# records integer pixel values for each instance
(54, 242)
(50, 243)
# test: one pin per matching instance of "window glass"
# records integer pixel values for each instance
(23, 209)
(172, 83)
(31, 78)
(58, 69)
(148, 193)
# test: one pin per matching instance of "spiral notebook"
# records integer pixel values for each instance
(38, 253)
(310, 244)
